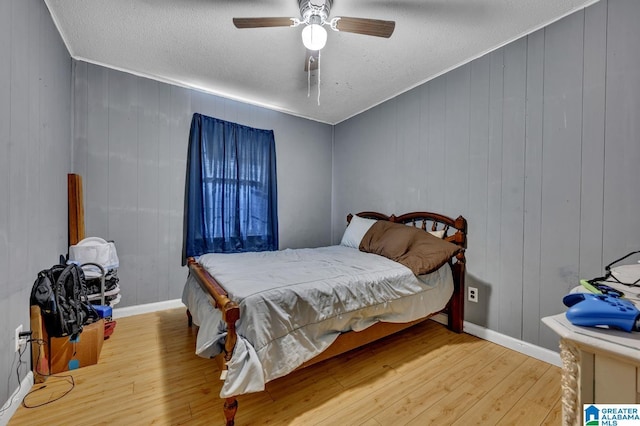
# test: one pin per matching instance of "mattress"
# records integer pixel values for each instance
(295, 303)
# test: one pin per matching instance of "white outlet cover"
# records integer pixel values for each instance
(17, 338)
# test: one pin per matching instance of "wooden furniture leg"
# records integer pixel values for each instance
(231, 315)
(230, 408)
(570, 357)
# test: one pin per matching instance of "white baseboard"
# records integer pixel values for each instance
(14, 401)
(529, 349)
(128, 311)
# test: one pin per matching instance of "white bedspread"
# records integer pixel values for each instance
(295, 303)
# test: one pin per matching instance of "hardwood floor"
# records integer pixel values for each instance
(148, 374)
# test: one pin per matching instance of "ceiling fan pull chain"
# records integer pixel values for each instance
(319, 63)
(309, 76)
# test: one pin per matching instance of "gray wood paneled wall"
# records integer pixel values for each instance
(130, 145)
(35, 152)
(544, 134)
(537, 144)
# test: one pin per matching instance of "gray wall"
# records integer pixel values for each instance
(130, 146)
(537, 144)
(35, 152)
(544, 131)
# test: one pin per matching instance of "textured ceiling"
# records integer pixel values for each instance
(193, 43)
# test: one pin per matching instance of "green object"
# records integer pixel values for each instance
(599, 288)
(586, 284)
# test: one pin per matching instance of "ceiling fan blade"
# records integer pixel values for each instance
(313, 64)
(372, 27)
(262, 22)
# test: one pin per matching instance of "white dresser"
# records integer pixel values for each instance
(598, 366)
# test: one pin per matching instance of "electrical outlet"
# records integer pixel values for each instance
(16, 339)
(472, 294)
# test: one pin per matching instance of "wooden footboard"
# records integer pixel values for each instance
(229, 308)
(230, 314)
(455, 231)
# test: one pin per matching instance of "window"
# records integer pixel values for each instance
(231, 196)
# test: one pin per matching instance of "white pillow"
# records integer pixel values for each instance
(355, 231)
(439, 234)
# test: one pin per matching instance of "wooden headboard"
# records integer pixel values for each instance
(422, 219)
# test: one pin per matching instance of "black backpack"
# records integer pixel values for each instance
(61, 293)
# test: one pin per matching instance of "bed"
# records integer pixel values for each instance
(263, 315)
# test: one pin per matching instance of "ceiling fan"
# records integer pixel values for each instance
(314, 14)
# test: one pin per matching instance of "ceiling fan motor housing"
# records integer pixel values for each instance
(315, 11)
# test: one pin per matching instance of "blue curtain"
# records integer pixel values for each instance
(230, 196)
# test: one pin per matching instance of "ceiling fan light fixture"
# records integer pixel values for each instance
(314, 37)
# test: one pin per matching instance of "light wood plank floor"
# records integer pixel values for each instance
(148, 374)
